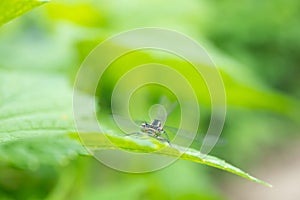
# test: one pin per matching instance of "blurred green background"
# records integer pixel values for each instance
(255, 45)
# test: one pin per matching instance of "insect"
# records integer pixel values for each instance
(155, 129)
(158, 130)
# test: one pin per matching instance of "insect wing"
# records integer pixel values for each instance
(186, 136)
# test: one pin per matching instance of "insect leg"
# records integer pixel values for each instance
(165, 139)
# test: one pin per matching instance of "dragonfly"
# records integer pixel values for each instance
(161, 132)
(155, 129)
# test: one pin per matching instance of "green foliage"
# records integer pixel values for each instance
(42, 115)
(10, 9)
(255, 33)
(33, 104)
(39, 54)
(35, 117)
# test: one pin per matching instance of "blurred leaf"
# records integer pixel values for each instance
(97, 141)
(84, 14)
(35, 107)
(35, 152)
(274, 50)
(243, 88)
(10, 9)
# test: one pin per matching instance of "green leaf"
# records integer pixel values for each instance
(35, 117)
(10, 9)
(33, 105)
(243, 88)
(34, 152)
(101, 141)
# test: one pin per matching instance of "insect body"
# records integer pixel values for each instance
(155, 129)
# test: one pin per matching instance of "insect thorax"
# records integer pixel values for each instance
(155, 127)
